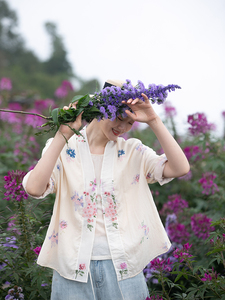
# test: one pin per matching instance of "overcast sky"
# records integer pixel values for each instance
(157, 41)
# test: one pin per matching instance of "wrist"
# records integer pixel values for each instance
(154, 122)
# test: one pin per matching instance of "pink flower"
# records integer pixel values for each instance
(199, 124)
(175, 205)
(201, 225)
(63, 90)
(159, 264)
(178, 233)
(37, 250)
(207, 277)
(82, 267)
(44, 104)
(32, 120)
(209, 187)
(5, 84)
(123, 266)
(169, 110)
(13, 186)
(183, 253)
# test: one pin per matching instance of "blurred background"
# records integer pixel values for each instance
(156, 41)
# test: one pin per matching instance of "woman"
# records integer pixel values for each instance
(105, 227)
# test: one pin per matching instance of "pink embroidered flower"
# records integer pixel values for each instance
(63, 224)
(82, 267)
(123, 266)
(136, 179)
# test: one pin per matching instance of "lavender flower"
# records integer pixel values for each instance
(13, 186)
(15, 293)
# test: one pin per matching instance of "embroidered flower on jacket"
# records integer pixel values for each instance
(63, 224)
(78, 201)
(71, 154)
(90, 211)
(58, 167)
(80, 272)
(93, 184)
(111, 210)
(136, 179)
(121, 154)
(53, 238)
(145, 231)
(123, 269)
(141, 148)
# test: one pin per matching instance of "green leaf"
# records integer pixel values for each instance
(77, 98)
(55, 116)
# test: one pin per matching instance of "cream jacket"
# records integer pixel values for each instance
(134, 230)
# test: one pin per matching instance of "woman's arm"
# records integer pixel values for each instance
(177, 164)
(38, 180)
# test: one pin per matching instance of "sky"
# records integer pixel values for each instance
(156, 41)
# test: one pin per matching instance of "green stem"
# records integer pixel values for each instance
(163, 287)
(24, 231)
(25, 113)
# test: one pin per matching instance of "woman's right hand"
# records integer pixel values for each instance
(65, 130)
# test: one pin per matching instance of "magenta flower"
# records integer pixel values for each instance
(169, 110)
(183, 253)
(191, 151)
(13, 186)
(63, 90)
(37, 250)
(199, 124)
(41, 105)
(178, 233)
(123, 266)
(201, 225)
(175, 205)
(5, 84)
(209, 187)
(32, 120)
(207, 277)
(160, 265)
(223, 114)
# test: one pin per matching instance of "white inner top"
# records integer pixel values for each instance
(100, 247)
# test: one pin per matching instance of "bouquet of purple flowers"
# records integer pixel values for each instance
(107, 103)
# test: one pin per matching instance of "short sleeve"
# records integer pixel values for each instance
(52, 184)
(154, 165)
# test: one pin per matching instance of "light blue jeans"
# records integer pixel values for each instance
(101, 285)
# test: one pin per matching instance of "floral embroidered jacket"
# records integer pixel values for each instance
(134, 230)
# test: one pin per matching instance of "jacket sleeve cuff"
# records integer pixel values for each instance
(158, 173)
(49, 190)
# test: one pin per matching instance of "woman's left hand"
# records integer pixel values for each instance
(142, 110)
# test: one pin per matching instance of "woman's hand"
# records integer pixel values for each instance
(142, 110)
(65, 130)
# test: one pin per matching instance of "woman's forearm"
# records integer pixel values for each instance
(177, 164)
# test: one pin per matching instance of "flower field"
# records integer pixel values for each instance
(191, 207)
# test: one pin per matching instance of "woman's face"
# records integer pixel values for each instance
(113, 129)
